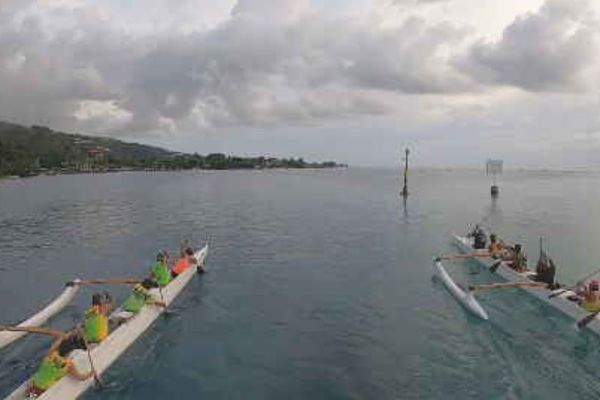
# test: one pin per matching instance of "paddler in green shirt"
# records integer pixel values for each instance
(141, 296)
(160, 270)
(57, 364)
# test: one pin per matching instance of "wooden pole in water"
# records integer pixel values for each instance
(405, 188)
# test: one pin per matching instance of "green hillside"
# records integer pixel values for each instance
(26, 151)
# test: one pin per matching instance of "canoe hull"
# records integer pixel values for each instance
(104, 354)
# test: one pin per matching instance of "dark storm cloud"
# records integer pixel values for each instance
(545, 51)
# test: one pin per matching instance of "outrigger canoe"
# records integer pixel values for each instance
(465, 298)
(106, 352)
(562, 300)
(43, 316)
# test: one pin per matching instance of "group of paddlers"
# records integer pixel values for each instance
(97, 324)
(512, 255)
(587, 293)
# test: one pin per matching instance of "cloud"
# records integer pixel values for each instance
(545, 51)
(93, 67)
(269, 62)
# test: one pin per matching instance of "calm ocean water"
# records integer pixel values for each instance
(320, 282)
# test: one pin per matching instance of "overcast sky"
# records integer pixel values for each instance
(458, 81)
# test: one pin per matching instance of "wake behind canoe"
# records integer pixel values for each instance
(107, 351)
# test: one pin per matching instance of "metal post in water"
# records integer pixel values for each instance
(405, 188)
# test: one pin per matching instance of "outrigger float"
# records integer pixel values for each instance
(106, 352)
(43, 316)
(566, 300)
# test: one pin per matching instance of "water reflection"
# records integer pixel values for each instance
(492, 214)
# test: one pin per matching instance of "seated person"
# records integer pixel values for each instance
(591, 297)
(160, 270)
(496, 246)
(96, 318)
(57, 364)
(519, 259)
(479, 240)
(139, 297)
(545, 270)
(185, 262)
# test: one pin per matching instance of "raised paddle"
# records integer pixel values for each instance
(587, 319)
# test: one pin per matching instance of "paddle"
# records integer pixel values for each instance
(97, 381)
(586, 320)
(105, 281)
(579, 282)
(34, 329)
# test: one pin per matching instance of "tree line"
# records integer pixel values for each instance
(26, 151)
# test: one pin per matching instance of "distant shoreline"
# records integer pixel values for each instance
(133, 169)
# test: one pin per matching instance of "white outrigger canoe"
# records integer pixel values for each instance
(562, 299)
(43, 316)
(465, 298)
(106, 352)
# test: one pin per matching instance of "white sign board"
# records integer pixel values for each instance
(493, 167)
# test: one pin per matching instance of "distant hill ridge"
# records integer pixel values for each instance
(26, 151)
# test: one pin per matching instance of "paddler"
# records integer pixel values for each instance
(160, 270)
(57, 364)
(591, 297)
(185, 245)
(517, 259)
(186, 261)
(479, 237)
(96, 317)
(496, 246)
(140, 296)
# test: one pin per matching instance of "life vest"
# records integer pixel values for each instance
(95, 325)
(160, 273)
(52, 369)
(181, 265)
(137, 299)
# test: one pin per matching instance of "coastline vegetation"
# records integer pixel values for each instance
(36, 150)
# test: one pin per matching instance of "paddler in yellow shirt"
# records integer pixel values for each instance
(95, 324)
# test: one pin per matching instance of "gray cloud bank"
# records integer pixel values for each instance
(270, 62)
